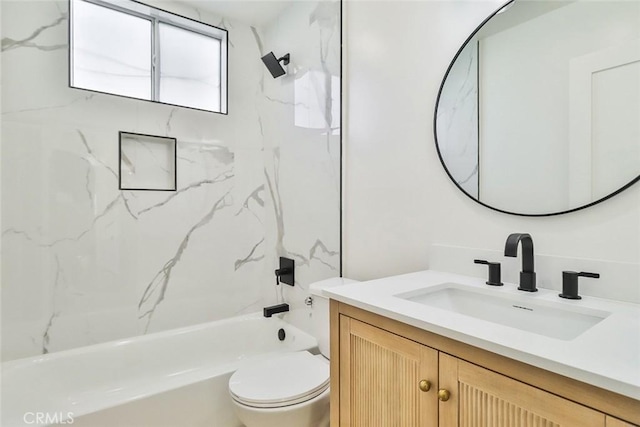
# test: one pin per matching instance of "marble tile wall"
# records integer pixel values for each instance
(302, 159)
(83, 262)
(457, 124)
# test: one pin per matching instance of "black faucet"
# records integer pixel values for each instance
(570, 283)
(275, 309)
(494, 272)
(527, 275)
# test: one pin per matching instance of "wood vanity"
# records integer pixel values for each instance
(387, 373)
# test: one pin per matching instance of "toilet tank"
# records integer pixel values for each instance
(320, 310)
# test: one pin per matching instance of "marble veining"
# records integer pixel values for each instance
(159, 284)
(9, 43)
(167, 128)
(224, 176)
(255, 197)
(84, 262)
(251, 257)
(276, 203)
(93, 157)
(457, 121)
(94, 160)
(74, 238)
(54, 312)
(325, 15)
(88, 97)
(318, 250)
(258, 40)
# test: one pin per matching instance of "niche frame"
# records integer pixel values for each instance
(173, 163)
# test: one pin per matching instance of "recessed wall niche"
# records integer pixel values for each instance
(147, 162)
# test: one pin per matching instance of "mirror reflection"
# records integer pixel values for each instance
(540, 111)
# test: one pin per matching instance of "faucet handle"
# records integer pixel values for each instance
(279, 272)
(570, 283)
(494, 272)
(286, 272)
(592, 275)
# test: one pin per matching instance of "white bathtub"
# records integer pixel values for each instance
(172, 378)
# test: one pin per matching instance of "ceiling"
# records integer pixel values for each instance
(518, 12)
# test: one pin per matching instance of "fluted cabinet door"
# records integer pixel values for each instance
(380, 379)
(482, 398)
(614, 422)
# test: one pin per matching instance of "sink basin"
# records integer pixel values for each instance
(521, 312)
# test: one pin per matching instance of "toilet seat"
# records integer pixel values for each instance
(282, 380)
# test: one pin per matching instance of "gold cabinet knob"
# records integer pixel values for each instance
(443, 395)
(424, 385)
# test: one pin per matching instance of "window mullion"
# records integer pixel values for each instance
(183, 87)
(155, 60)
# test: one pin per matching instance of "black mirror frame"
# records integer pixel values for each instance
(444, 166)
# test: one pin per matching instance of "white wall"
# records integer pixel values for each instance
(401, 212)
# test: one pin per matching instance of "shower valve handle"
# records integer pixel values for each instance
(280, 272)
(286, 272)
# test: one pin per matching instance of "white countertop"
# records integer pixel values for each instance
(607, 355)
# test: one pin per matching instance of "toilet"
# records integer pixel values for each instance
(289, 389)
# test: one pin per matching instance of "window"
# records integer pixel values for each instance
(126, 48)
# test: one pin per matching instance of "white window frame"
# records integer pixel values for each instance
(157, 16)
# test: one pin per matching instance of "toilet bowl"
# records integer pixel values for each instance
(290, 389)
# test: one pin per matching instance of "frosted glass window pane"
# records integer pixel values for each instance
(111, 51)
(189, 68)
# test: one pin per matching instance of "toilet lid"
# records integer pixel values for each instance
(282, 380)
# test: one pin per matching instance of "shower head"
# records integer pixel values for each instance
(273, 64)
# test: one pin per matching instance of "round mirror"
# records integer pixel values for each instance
(539, 111)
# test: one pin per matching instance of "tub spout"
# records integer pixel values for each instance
(275, 309)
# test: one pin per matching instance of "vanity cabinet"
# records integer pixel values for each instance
(613, 422)
(380, 378)
(480, 397)
(386, 373)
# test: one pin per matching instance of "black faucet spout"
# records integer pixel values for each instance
(527, 275)
(511, 249)
(275, 309)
